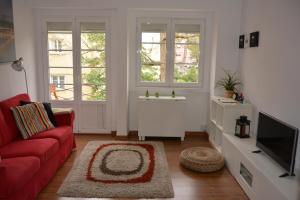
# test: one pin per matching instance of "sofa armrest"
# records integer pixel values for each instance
(64, 117)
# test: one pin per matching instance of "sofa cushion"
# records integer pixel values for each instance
(13, 131)
(48, 109)
(31, 119)
(61, 133)
(4, 136)
(44, 149)
(15, 173)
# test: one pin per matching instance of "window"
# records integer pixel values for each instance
(169, 52)
(88, 55)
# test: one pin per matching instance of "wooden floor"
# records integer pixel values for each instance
(187, 185)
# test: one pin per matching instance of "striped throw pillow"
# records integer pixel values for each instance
(31, 119)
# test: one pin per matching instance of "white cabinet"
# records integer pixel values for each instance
(223, 115)
(161, 117)
(257, 174)
(263, 171)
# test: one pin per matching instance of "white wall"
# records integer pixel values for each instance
(12, 82)
(270, 73)
(222, 30)
(222, 52)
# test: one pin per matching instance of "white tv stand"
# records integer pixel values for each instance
(256, 173)
(266, 183)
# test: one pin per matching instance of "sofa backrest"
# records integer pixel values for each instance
(11, 129)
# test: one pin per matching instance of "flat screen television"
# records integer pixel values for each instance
(278, 140)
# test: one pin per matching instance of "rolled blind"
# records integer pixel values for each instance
(145, 27)
(59, 26)
(187, 28)
(92, 27)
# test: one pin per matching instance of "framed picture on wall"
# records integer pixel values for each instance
(241, 41)
(254, 39)
(247, 41)
(7, 36)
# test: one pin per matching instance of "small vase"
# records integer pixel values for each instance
(229, 93)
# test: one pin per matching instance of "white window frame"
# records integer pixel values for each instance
(76, 49)
(169, 79)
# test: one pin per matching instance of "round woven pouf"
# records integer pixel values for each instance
(201, 159)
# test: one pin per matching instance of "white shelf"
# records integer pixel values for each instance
(221, 101)
(289, 187)
(217, 125)
(223, 117)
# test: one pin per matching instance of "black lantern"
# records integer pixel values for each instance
(242, 127)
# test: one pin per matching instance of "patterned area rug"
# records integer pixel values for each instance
(113, 169)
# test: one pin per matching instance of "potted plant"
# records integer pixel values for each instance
(229, 83)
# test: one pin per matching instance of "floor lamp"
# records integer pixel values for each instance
(17, 65)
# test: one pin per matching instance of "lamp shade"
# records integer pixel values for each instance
(17, 65)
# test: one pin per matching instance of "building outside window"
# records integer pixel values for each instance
(58, 81)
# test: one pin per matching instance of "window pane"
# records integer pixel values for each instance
(184, 73)
(66, 73)
(153, 53)
(59, 41)
(64, 93)
(95, 76)
(60, 59)
(93, 92)
(93, 41)
(187, 38)
(154, 37)
(187, 53)
(60, 55)
(153, 73)
(93, 72)
(92, 58)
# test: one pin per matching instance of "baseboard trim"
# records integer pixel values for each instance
(135, 133)
(203, 133)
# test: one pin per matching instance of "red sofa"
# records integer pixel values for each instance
(27, 166)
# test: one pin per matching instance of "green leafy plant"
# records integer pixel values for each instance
(229, 82)
(147, 94)
(173, 94)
